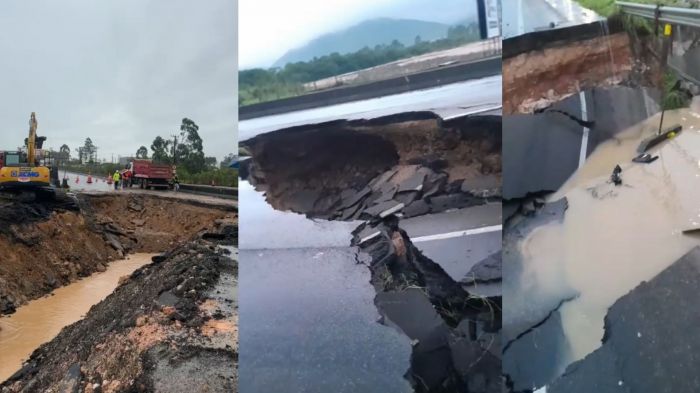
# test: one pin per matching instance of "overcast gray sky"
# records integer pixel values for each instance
(268, 28)
(119, 72)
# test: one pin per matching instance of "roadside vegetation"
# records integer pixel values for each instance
(183, 150)
(261, 85)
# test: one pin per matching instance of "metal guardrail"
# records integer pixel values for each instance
(666, 14)
(225, 192)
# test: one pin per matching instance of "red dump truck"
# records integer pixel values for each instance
(146, 174)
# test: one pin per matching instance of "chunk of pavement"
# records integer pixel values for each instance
(384, 209)
(386, 192)
(349, 212)
(406, 197)
(416, 208)
(441, 203)
(488, 269)
(382, 179)
(413, 183)
(411, 312)
(535, 357)
(434, 183)
(488, 186)
(650, 342)
(476, 365)
(367, 233)
(351, 197)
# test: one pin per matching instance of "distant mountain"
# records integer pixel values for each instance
(368, 33)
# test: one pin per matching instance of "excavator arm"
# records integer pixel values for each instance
(31, 141)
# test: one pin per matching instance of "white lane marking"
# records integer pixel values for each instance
(368, 237)
(473, 112)
(466, 232)
(584, 137)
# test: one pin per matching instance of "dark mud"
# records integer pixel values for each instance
(378, 170)
(169, 327)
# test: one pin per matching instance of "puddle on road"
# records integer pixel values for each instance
(41, 320)
(613, 238)
(307, 316)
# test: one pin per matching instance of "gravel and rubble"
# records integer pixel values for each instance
(169, 327)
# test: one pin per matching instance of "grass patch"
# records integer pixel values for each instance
(673, 99)
(608, 7)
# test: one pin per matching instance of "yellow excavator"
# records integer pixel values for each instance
(28, 174)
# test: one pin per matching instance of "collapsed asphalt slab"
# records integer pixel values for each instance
(413, 163)
(169, 327)
(649, 343)
(455, 352)
(53, 243)
(385, 171)
(572, 268)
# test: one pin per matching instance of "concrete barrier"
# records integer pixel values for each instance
(224, 192)
(422, 80)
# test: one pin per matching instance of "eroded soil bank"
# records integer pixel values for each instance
(169, 327)
(534, 80)
(381, 170)
(42, 319)
(48, 245)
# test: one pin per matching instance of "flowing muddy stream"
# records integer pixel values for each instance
(611, 238)
(41, 320)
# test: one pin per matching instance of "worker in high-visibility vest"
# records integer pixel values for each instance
(116, 178)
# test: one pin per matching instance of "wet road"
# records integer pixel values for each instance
(611, 238)
(447, 101)
(459, 239)
(525, 16)
(307, 317)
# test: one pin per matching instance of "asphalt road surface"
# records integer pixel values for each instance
(470, 97)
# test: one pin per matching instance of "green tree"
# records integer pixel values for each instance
(142, 152)
(64, 152)
(190, 149)
(91, 149)
(210, 162)
(160, 148)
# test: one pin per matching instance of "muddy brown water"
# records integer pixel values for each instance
(613, 238)
(41, 320)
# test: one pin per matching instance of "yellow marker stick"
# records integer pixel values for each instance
(667, 30)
